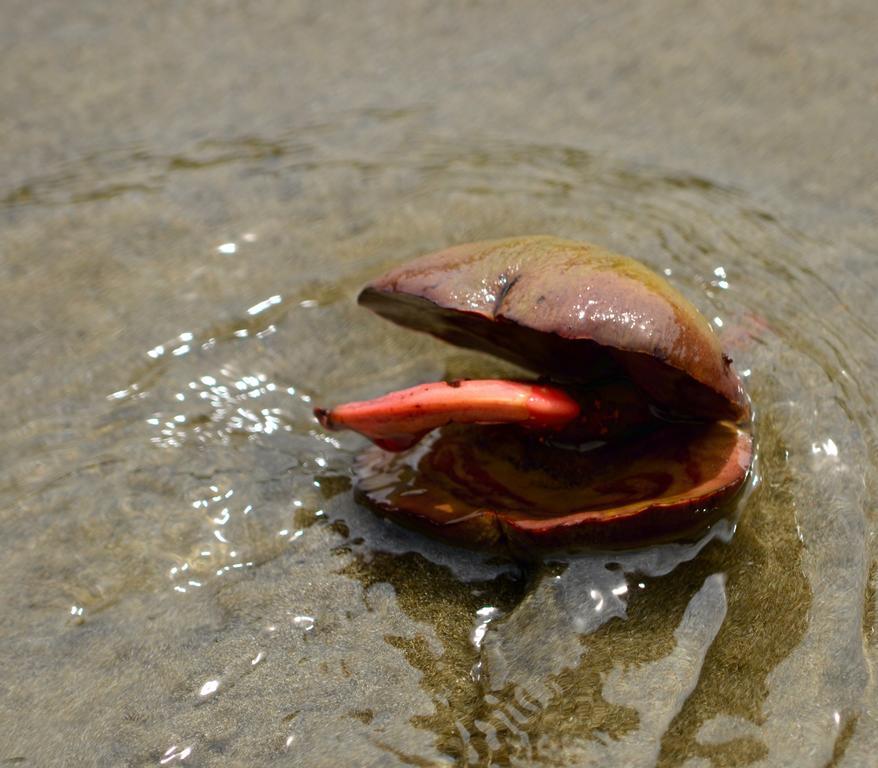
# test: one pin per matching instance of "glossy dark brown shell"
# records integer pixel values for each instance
(504, 491)
(570, 310)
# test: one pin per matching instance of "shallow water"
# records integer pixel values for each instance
(187, 580)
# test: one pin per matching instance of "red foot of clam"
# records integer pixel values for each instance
(400, 419)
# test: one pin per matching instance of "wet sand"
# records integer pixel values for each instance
(192, 196)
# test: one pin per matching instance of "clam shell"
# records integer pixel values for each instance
(570, 310)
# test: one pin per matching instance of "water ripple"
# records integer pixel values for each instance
(217, 490)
